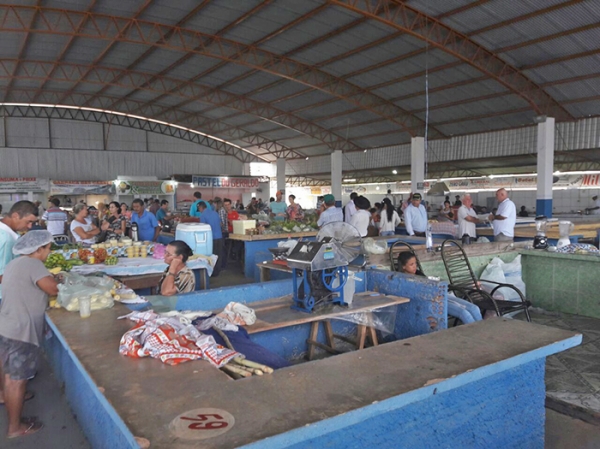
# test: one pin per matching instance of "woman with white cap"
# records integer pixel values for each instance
(25, 288)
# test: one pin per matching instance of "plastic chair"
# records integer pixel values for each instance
(394, 255)
(61, 239)
(464, 284)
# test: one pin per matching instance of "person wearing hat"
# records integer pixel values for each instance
(415, 217)
(596, 209)
(26, 285)
(330, 212)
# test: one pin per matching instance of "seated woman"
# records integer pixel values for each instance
(446, 213)
(177, 278)
(464, 310)
(82, 228)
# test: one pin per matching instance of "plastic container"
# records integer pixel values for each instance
(85, 306)
(197, 235)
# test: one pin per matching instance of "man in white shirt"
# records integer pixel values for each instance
(350, 208)
(20, 218)
(596, 209)
(415, 217)
(467, 218)
(331, 213)
(503, 221)
(361, 219)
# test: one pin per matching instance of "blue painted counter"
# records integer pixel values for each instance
(256, 248)
(479, 385)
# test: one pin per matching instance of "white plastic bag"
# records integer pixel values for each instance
(76, 286)
(504, 273)
(290, 244)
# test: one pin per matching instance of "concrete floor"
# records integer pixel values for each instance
(564, 432)
(61, 430)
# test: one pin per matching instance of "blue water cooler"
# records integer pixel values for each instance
(197, 235)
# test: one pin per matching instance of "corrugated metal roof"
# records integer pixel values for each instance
(332, 73)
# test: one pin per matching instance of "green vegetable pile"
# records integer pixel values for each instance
(55, 260)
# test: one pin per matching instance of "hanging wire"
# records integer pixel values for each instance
(426, 143)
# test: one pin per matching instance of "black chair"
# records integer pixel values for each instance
(464, 284)
(61, 239)
(394, 255)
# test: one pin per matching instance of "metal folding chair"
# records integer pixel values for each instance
(464, 284)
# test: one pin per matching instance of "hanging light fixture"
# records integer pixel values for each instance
(439, 188)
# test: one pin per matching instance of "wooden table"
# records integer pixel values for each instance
(528, 233)
(277, 313)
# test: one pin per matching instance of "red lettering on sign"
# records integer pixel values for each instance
(199, 423)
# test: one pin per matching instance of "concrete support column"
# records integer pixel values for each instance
(545, 167)
(417, 164)
(281, 174)
(336, 176)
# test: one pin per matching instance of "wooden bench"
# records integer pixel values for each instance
(277, 313)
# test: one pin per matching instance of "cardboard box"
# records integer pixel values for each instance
(240, 226)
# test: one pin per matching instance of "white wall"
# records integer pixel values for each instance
(74, 150)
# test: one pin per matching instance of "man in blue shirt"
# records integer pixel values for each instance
(194, 211)
(163, 212)
(148, 228)
(210, 217)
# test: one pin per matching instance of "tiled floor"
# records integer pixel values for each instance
(573, 376)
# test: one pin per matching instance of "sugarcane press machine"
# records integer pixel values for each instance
(319, 273)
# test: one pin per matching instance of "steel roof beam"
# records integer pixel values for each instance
(110, 76)
(152, 49)
(347, 54)
(439, 35)
(115, 29)
(205, 125)
(132, 122)
(63, 52)
(21, 52)
(73, 30)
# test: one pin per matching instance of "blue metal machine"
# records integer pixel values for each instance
(319, 273)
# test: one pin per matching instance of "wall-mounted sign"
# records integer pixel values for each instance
(81, 187)
(125, 187)
(225, 182)
(14, 185)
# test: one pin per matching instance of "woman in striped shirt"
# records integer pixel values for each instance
(177, 278)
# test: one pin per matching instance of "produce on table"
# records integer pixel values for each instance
(111, 260)
(54, 260)
(84, 254)
(100, 255)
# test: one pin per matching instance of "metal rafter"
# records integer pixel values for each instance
(58, 22)
(100, 26)
(132, 122)
(435, 33)
(342, 56)
(151, 50)
(198, 123)
(129, 79)
(63, 52)
(21, 51)
(261, 41)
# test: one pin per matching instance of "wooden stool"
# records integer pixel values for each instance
(362, 331)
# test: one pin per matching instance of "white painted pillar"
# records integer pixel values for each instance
(336, 176)
(417, 164)
(281, 174)
(545, 166)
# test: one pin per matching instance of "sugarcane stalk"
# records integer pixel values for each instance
(235, 376)
(234, 369)
(251, 364)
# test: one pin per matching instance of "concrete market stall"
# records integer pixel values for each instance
(472, 386)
